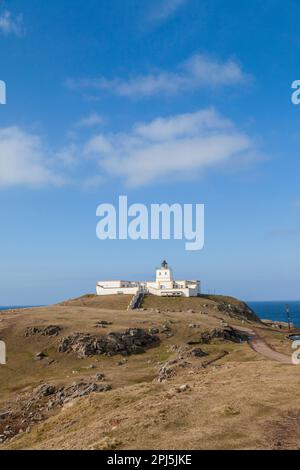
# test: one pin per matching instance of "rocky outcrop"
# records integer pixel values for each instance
(131, 341)
(43, 399)
(226, 334)
(63, 395)
(51, 330)
(239, 311)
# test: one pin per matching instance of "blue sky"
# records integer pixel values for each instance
(183, 101)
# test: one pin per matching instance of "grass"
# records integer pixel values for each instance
(111, 302)
(175, 303)
(243, 388)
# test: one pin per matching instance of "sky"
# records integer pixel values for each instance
(165, 101)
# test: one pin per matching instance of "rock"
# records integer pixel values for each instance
(169, 368)
(45, 391)
(51, 330)
(131, 341)
(76, 390)
(99, 377)
(103, 324)
(238, 311)
(227, 334)
(40, 355)
(197, 352)
(183, 388)
(166, 328)
(153, 331)
(166, 372)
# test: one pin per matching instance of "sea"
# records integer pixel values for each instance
(271, 310)
(277, 310)
(18, 306)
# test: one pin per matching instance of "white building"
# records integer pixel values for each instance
(164, 285)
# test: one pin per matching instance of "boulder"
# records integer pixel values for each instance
(131, 341)
(51, 330)
(227, 334)
(198, 352)
(184, 388)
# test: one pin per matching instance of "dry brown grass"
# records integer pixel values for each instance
(111, 302)
(241, 401)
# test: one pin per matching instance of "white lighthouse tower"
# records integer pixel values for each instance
(164, 276)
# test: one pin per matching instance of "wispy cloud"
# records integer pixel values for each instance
(197, 72)
(178, 147)
(163, 10)
(10, 24)
(22, 160)
(175, 147)
(93, 119)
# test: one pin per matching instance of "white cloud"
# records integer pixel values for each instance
(176, 147)
(68, 155)
(182, 125)
(164, 9)
(98, 144)
(198, 71)
(165, 149)
(93, 119)
(22, 160)
(10, 24)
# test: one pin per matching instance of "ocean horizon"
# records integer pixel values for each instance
(13, 307)
(265, 309)
(276, 310)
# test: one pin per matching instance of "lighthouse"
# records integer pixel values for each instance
(164, 276)
(164, 285)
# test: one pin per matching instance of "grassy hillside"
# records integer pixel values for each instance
(111, 302)
(181, 393)
(201, 304)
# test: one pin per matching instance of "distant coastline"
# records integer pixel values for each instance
(18, 307)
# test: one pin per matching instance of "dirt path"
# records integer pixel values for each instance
(260, 346)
